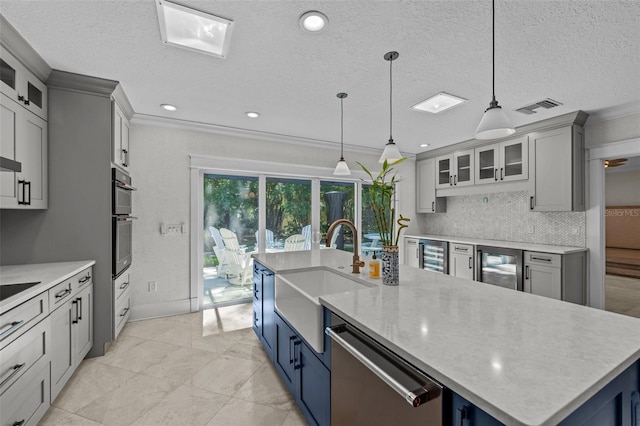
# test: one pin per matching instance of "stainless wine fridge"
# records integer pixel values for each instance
(499, 266)
(434, 255)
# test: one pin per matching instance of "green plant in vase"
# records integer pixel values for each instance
(381, 188)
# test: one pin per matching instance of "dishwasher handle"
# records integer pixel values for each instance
(415, 397)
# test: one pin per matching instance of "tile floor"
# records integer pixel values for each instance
(205, 368)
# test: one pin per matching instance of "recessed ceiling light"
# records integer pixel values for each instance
(194, 30)
(438, 103)
(252, 114)
(313, 21)
(168, 107)
(424, 145)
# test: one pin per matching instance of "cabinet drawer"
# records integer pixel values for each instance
(60, 293)
(23, 353)
(122, 312)
(27, 400)
(82, 280)
(546, 259)
(121, 285)
(17, 321)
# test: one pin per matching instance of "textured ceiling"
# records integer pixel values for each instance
(584, 54)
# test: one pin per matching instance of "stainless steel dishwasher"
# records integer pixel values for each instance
(371, 385)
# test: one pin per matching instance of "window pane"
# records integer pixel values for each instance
(289, 214)
(230, 202)
(337, 202)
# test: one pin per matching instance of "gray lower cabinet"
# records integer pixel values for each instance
(71, 330)
(556, 276)
(26, 402)
(461, 261)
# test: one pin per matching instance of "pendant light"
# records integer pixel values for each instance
(342, 169)
(391, 152)
(494, 123)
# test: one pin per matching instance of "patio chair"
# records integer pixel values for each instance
(294, 243)
(218, 249)
(240, 263)
(269, 239)
(306, 232)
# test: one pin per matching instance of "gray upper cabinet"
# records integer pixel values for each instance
(556, 159)
(455, 169)
(426, 201)
(23, 136)
(502, 162)
(120, 136)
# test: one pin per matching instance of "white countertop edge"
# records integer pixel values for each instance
(49, 274)
(544, 248)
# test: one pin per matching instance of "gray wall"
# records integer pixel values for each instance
(77, 224)
(622, 188)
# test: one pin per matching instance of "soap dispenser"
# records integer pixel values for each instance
(374, 266)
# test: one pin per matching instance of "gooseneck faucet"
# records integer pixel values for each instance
(357, 263)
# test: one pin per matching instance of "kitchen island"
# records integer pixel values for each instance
(521, 358)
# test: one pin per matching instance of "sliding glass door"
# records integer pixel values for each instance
(288, 215)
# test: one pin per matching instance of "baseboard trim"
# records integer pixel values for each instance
(163, 309)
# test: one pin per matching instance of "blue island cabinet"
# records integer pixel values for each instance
(617, 404)
(304, 374)
(264, 323)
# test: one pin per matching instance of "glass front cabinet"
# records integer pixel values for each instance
(455, 169)
(502, 162)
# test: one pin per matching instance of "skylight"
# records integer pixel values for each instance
(438, 103)
(194, 30)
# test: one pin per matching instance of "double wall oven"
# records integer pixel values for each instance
(122, 221)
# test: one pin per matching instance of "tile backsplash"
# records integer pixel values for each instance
(506, 216)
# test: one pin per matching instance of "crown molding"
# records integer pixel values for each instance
(612, 113)
(576, 117)
(154, 120)
(81, 83)
(22, 50)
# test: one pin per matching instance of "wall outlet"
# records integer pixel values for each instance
(171, 229)
(531, 229)
(575, 231)
(153, 286)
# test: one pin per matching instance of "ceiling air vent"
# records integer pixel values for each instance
(545, 103)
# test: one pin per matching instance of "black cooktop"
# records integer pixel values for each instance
(8, 290)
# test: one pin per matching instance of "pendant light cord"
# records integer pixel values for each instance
(493, 49)
(341, 129)
(390, 98)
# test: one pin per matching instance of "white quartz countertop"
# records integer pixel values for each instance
(522, 358)
(544, 248)
(49, 274)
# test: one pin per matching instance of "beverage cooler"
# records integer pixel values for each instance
(434, 256)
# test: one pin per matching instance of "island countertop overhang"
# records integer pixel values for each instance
(524, 359)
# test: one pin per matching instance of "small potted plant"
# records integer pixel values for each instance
(380, 189)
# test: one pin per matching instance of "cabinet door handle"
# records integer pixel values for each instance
(124, 285)
(455, 180)
(26, 102)
(526, 272)
(124, 312)
(470, 262)
(21, 98)
(433, 206)
(297, 363)
(541, 259)
(75, 321)
(462, 416)
(450, 179)
(20, 423)
(292, 349)
(501, 174)
(29, 199)
(84, 279)
(21, 184)
(495, 174)
(531, 203)
(14, 370)
(79, 299)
